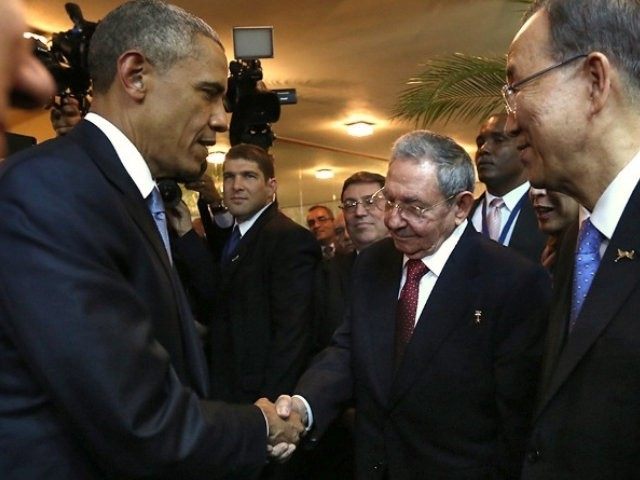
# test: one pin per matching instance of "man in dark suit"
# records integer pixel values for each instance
(448, 396)
(320, 222)
(572, 96)
(504, 212)
(102, 374)
(261, 329)
(365, 225)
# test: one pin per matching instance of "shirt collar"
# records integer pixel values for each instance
(127, 152)
(512, 198)
(437, 260)
(609, 207)
(248, 223)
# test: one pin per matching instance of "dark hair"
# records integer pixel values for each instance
(362, 177)
(611, 27)
(253, 153)
(162, 32)
(453, 165)
(323, 207)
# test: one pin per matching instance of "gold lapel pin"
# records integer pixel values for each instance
(628, 254)
(478, 315)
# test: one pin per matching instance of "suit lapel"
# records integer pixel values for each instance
(440, 315)
(613, 283)
(247, 240)
(104, 156)
(102, 153)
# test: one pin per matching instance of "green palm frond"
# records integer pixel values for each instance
(458, 87)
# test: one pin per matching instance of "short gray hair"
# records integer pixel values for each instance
(454, 167)
(162, 32)
(608, 26)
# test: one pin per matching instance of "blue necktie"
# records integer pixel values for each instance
(156, 207)
(232, 244)
(586, 265)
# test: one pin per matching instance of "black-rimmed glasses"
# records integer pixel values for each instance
(509, 90)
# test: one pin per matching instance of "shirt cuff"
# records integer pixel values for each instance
(309, 425)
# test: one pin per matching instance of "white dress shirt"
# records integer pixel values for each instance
(511, 199)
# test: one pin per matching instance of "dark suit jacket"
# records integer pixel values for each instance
(260, 334)
(102, 374)
(527, 238)
(333, 283)
(587, 420)
(459, 405)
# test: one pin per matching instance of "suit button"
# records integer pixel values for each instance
(533, 455)
(378, 467)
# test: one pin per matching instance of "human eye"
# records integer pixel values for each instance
(349, 204)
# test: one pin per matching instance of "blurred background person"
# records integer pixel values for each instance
(320, 222)
(555, 212)
(344, 245)
(23, 79)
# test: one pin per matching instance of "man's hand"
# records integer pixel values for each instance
(207, 190)
(281, 430)
(65, 116)
(287, 406)
(179, 218)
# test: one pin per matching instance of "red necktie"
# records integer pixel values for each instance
(407, 305)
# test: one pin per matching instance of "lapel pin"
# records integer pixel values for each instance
(478, 315)
(628, 254)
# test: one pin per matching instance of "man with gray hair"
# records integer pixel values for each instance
(573, 98)
(102, 372)
(440, 345)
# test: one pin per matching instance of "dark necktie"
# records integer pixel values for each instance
(407, 305)
(156, 207)
(586, 264)
(232, 245)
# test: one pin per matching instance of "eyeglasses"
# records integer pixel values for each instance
(509, 90)
(312, 221)
(408, 212)
(352, 205)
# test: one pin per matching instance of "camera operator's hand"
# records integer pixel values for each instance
(66, 115)
(207, 190)
(179, 219)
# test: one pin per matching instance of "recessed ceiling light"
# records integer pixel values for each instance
(324, 174)
(360, 129)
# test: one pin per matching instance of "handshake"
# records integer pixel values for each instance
(287, 420)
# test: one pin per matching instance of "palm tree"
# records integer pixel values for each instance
(455, 87)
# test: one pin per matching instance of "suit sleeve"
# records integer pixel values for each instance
(292, 279)
(517, 358)
(70, 312)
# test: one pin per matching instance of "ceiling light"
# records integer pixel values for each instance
(360, 129)
(216, 157)
(324, 174)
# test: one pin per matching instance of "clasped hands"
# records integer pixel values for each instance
(287, 420)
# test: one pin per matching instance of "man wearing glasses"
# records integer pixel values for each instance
(320, 222)
(572, 96)
(440, 346)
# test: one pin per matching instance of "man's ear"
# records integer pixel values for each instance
(600, 76)
(464, 202)
(272, 183)
(132, 73)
